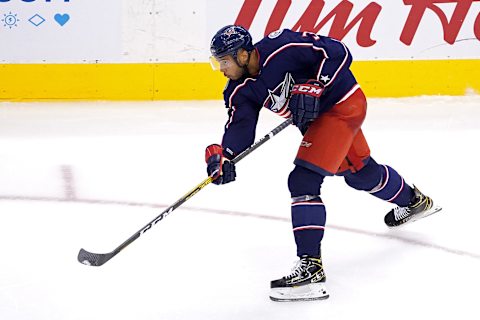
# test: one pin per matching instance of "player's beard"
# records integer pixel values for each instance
(245, 72)
(240, 73)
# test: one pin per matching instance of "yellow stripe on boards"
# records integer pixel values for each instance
(47, 82)
(197, 81)
(418, 77)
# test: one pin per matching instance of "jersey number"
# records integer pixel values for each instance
(310, 34)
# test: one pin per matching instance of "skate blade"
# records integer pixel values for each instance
(309, 292)
(417, 217)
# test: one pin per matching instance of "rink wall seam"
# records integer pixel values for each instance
(376, 235)
(196, 81)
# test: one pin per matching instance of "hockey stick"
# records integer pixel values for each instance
(98, 259)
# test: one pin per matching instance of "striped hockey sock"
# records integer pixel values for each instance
(308, 219)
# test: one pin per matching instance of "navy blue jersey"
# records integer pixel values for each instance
(285, 58)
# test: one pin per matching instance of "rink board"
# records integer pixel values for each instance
(196, 81)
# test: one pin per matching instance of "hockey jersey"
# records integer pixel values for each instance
(285, 57)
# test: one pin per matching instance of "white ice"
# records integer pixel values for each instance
(90, 175)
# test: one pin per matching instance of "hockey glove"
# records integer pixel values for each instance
(219, 168)
(305, 104)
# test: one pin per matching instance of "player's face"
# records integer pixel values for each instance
(228, 66)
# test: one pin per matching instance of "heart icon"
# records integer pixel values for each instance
(61, 18)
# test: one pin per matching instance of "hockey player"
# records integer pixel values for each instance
(307, 77)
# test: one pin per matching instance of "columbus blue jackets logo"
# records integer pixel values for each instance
(277, 100)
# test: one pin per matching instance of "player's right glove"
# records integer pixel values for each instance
(219, 168)
(304, 103)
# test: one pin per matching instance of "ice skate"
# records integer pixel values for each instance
(307, 282)
(420, 206)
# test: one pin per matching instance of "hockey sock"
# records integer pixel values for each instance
(308, 210)
(308, 220)
(382, 182)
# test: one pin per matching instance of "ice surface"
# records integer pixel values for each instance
(90, 175)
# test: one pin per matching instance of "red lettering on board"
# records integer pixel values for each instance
(450, 28)
(247, 13)
(308, 20)
(343, 23)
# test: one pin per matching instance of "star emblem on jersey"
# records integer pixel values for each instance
(324, 78)
(278, 97)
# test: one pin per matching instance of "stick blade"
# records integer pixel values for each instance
(93, 259)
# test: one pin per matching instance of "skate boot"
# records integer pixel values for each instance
(420, 206)
(307, 282)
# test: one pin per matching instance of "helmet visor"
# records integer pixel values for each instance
(221, 63)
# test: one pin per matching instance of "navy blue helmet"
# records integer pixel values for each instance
(229, 39)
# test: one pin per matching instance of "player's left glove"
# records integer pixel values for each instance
(219, 168)
(305, 104)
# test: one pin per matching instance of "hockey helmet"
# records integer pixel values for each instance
(229, 39)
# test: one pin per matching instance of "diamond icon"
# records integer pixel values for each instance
(36, 20)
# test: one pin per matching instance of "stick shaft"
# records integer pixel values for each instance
(98, 259)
